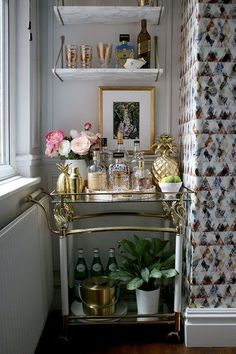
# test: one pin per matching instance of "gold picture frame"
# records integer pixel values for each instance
(130, 109)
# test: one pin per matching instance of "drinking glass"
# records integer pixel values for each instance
(86, 55)
(145, 2)
(104, 54)
(71, 51)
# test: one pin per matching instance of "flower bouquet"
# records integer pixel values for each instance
(76, 146)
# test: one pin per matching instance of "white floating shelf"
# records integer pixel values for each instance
(150, 75)
(69, 15)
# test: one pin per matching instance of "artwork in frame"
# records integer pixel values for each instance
(130, 110)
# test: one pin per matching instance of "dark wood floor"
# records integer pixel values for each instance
(108, 339)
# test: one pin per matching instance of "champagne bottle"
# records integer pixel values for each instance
(144, 44)
(96, 268)
(80, 273)
(112, 263)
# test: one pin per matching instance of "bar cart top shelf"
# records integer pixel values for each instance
(118, 197)
(70, 15)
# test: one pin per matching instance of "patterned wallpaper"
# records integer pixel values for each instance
(208, 136)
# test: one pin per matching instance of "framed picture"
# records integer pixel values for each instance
(130, 110)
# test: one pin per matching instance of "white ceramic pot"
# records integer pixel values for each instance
(147, 302)
(82, 166)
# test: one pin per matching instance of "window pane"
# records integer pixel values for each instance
(4, 121)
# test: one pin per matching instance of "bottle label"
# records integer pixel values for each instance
(97, 267)
(112, 267)
(97, 181)
(80, 268)
(144, 47)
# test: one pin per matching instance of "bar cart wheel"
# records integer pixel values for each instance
(173, 337)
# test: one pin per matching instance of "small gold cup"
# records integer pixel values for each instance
(72, 56)
(146, 2)
(86, 56)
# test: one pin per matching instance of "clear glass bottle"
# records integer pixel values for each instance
(105, 153)
(80, 273)
(120, 147)
(112, 264)
(119, 173)
(97, 174)
(123, 51)
(144, 45)
(141, 177)
(137, 155)
(96, 268)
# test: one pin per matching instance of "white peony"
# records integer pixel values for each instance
(64, 148)
(74, 133)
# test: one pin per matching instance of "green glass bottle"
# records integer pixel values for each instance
(80, 273)
(112, 263)
(96, 268)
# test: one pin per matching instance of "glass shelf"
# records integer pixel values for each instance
(70, 15)
(114, 197)
(147, 75)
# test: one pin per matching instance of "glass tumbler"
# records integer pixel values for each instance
(145, 2)
(72, 56)
(86, 55)
(104, 52)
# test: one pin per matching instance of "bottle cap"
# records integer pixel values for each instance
(104, 141)
(136, 141)
(143, 22)
(124, 37)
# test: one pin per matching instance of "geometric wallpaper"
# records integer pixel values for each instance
(208, 139)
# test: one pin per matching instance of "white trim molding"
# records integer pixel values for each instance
(210, 327)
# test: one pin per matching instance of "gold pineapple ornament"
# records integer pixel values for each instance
(63, 183)
(164, 165)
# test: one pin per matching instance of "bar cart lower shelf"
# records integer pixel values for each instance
(69, 208)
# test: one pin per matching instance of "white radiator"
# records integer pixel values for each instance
(26, 282)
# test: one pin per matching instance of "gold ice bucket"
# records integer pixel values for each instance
(98, 295)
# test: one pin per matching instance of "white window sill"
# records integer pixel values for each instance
(15, 184)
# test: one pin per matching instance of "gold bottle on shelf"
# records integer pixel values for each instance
(63, 185)
(164, 165)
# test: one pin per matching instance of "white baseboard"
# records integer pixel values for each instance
(210, 327)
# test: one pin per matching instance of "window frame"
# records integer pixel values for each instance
(6, 168)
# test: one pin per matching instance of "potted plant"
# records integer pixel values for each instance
(145, 262)
(170, 184)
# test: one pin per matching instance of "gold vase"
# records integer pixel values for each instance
(164, 165)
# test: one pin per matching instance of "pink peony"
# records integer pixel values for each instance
(93, 138)
(54, 137)
(87, 126)
(80, 145)
(51, 150)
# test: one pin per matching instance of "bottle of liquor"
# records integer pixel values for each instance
(97, 174)
(141, 177)
(137, 154)
(144, 44)
(120, 147)
(119, 173)
(96, 268)
(80, 273)
(105, 154)
(112, 263)
(123, 51)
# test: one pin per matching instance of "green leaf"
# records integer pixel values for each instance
(145, 274)
(121, 275)
(169, 273)
(135, 284)
(155, 273)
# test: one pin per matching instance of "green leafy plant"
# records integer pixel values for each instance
(145, 262)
